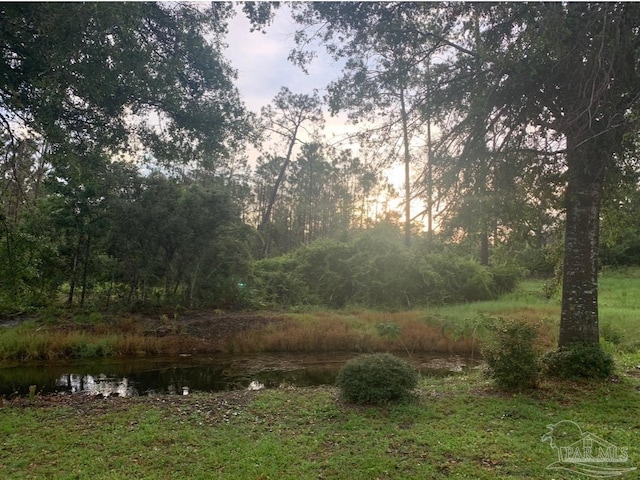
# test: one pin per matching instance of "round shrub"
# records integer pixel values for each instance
(376, 379)
(578, 361)
(512, 361)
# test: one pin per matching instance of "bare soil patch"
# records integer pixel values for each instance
(210, 326)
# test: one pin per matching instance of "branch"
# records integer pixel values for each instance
(443, 40)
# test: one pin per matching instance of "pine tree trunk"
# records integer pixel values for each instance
(579, 316)
(407, 172)
(484, 249)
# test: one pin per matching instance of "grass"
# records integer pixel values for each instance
(619, 310)
(450, 328)
(456, 427)
(445, 329)
(29, 342)
(355, 330)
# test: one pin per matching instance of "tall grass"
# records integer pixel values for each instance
(25, 344)
(354, 331)
(619, 310)
(619, 302)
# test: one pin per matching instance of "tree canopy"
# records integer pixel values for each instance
(86, 76)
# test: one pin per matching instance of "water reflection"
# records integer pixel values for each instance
(184, 375)
(97, 385)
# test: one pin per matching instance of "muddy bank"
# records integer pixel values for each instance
(210, 327)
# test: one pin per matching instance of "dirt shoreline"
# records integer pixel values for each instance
(208, 325)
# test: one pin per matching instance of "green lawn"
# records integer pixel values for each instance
(619, 310)
(457, 427)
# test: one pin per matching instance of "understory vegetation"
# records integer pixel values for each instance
(376, 270)
(447, 329)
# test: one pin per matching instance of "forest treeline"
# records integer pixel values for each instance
(107, 235)
(125, 179)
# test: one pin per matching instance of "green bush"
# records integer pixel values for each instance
(578, 361)
(376, 379)
(276, 282)
(324, 267)
(375, 269)
(512, 361)
(506, 277)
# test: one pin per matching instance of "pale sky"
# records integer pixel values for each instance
(261, 60)
(263, 68)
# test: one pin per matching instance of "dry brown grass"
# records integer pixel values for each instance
(323, 331)
(353, 331)
(56, 344)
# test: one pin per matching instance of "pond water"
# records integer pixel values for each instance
(187, 374)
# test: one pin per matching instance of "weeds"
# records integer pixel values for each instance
(361, 332)
(512, 360)
(23, 344)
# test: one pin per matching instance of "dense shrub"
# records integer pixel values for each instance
(506, 277)
(377, 270)
(384, 274)
(275, 281)
(578, 361)
(324, 267)
(512, 361)
(376, 379)
(539, 262)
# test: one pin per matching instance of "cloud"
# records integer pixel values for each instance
(261, 61)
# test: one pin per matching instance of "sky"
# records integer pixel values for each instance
(263, 68)
(261, 60)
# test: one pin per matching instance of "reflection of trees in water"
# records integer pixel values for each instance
(98, 385)
(95, 385)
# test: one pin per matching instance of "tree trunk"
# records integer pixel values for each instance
(272, 199)
(274, 193)
(579, 316)
(429, 175)
(484, 249)
(74, 273)
(85, 270)
(407, 173)
(192, 285)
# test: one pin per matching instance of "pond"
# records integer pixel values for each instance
(187, 374)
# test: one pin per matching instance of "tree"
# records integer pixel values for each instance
(177, 238)
(557, 81)
(285, 118)
(620, 223)
(382, 81)
(91, 76)
(75, 216)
